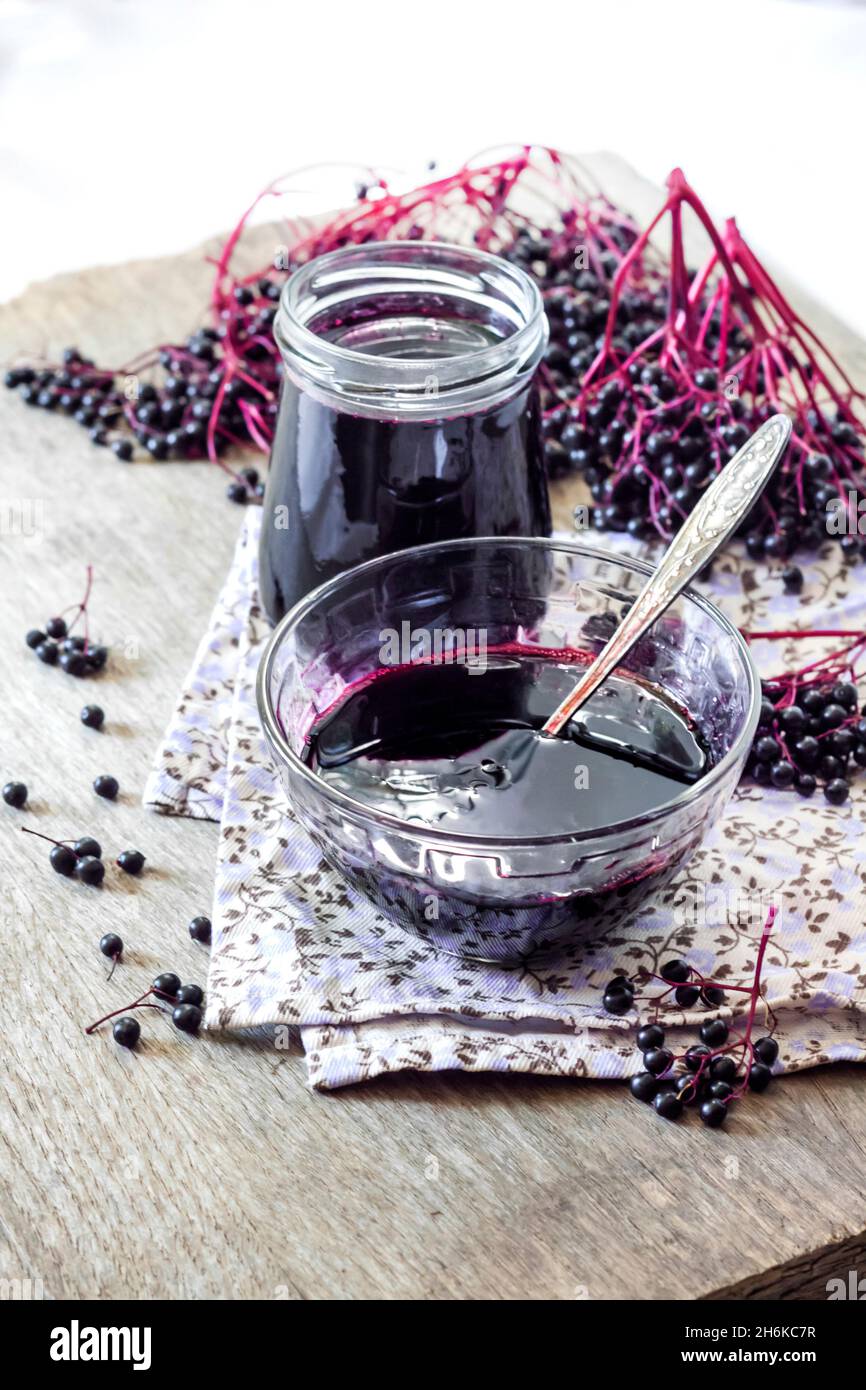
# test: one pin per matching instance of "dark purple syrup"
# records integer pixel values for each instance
(440, 747)
(343, 488)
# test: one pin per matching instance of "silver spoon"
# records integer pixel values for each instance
(719, 512)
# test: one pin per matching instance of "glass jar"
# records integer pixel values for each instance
(409, 410)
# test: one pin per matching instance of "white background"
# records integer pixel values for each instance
(132, 128)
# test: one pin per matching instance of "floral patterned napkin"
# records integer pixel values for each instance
(293, 946)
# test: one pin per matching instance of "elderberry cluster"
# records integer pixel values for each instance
(185, 1002)
(809, 738)
(82, 858)
(168, 418)
(649, 432)
(74, 654)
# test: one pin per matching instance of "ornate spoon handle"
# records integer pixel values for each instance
(719, 512)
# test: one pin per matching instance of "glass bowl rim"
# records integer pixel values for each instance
(691, 794)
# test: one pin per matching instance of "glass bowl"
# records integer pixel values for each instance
(481, 896)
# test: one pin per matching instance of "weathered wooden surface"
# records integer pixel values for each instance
(204, 1167)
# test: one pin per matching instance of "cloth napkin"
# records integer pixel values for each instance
(293, 946)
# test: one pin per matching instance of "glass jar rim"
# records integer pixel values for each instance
(692, 794)
(399, 387)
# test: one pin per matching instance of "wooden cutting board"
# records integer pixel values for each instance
(204, 1168)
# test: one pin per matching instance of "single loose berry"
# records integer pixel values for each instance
(63, 860)
(714, 1113)
(200, 930)
(668, 1105)
(93, 716)
(190, 994)
(167, 983)
(643, 1086)
(106, 786)
(90, 870)
(714, 1032)
(186, 1017)
(111, 945)
(126, 1031)
(15, 794)
(650, 1035)
(766, 1050)
(676, 972)
(131, 861)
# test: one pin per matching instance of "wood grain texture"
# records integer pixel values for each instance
(204, 1168)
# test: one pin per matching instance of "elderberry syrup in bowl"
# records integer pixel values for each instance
(403, 703)
(409, 411)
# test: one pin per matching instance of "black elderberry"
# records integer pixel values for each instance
(90, 871)
(767, 714)
(48, 652)
(126, 1031)
(719, 1090)
(836, 791)
(766, 1050)
(649, 1036)
(122, 449)
(668, 1105)
(15, 794)
(186, 1017)
(782, 774)
(111, 945)
(830, 766)
(190, 994)
(93, 716)
(767, 749)
(63, 860)
(56, 627)
(760, 1076)
(97, 657)
(686, 1087)
(792, 578)
(687, 996)
(845, 693)
(200, 930)
(131, 861)
(657, 1060)
(807, 751)
(617, 1001)
(237, 492)
(714, 1113)
(806, 783)
(675, 972)
(714, 1032)
(73, 663)
(793, 721)
(644, 1086)
(695, 1056)
(87, 848)
(34, 638)
(833, 715)
(712, 996)
(842, 742)
(167, 983)
(723, 1069)
(106, 786)
(813, 702)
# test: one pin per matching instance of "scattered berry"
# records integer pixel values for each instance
(106, 786)
(15, 794)
(111, 945)
(200, 930)
(131, 861)
(93, 716)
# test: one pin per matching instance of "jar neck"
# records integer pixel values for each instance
(410, 329)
